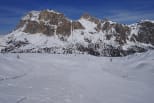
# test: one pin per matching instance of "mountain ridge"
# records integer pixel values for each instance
(52, 32)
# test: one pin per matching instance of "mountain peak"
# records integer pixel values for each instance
(35, 15)
(90, 18)
(86, 16)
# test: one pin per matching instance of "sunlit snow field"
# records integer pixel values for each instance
(48, 78)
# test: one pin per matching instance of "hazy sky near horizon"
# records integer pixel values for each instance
(123, 11)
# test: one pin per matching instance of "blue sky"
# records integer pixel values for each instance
(123, 11)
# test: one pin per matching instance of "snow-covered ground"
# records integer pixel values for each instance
(48, 78)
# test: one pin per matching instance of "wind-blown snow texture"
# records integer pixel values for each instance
(45, 78)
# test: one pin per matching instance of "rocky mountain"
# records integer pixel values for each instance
(52, 32)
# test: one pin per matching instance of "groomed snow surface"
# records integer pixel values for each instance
(48, 78)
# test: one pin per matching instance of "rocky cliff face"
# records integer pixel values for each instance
(52, 32)
(46, 22)
(146, 32)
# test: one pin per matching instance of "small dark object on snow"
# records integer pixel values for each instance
(110, 59)
(18, 57)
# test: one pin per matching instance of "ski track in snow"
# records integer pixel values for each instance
(48, 78)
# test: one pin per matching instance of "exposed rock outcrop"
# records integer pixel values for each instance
(48, 22)
(146, 32)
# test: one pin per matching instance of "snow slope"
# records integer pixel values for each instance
(47, 78)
